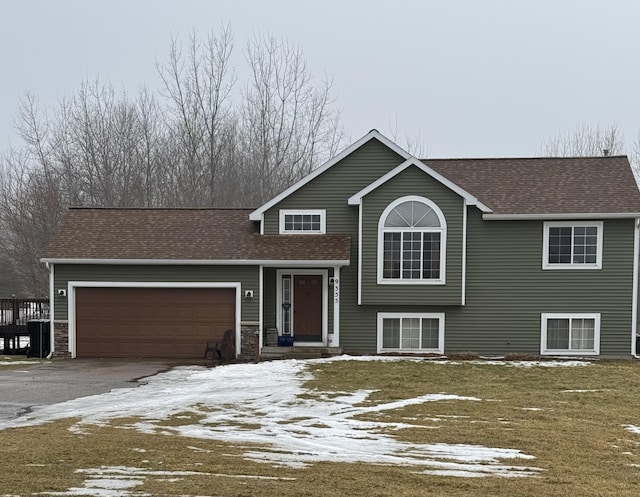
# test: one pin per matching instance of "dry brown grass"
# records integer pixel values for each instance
(578, 438)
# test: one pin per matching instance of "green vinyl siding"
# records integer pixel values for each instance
(507, 289)
(412, 181)
(246, 275)
(269, 318)
(330, 191)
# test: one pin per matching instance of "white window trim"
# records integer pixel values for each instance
(544, 317)
(443, 243)
(286, 212)
(73, 285)
(400, 315)
(571, 224)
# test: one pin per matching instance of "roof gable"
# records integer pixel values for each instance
(256, 215)
(470, 199)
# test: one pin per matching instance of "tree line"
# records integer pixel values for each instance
(204, 140)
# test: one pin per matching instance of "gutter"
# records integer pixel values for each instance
(202, 262)
(572, 216)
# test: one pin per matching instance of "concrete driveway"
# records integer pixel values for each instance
(23, 387)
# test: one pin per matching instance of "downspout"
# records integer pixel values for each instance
(51, 311)
(634, 303)
(464, 253)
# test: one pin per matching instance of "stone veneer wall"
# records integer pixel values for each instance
(61, 339)
(249, 342)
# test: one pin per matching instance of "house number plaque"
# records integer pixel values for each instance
(336, 290)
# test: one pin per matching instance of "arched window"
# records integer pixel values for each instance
(412, 233)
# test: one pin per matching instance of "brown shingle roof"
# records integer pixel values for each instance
(184, 234)
(548, 185)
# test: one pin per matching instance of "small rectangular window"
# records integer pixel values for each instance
(302, 221)
(570, 334)
(575, 245)
(411, 332)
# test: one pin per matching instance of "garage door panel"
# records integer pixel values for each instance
(151, 322)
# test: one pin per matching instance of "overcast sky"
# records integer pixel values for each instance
(470, 78)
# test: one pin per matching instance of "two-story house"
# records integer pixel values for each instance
(375, 251)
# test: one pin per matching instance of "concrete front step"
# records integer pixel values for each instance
(298, 352)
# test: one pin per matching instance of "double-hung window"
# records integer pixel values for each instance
(574, 245)
(411, 332)
(305, 221)
(570, 334)
(412, 237)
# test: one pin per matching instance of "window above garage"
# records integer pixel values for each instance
(302, 221)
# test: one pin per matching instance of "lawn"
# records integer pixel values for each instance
(341, 428)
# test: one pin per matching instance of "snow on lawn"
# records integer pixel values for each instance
(262, 403)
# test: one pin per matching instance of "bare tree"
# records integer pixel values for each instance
(289, 124)
(193, 147)
(412, 144)
(31, 206)
(585, 141)
(197, 86)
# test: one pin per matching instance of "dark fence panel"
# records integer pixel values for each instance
(15, 313)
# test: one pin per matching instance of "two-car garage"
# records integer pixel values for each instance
(138, 321)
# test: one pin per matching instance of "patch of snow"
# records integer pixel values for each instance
(117, 481)
(5, 362)
(531, 409)
(580, 391)
(262, 407)
(633, 429)
(535, 364)
(568, 363)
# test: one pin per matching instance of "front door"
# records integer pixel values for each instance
(307, 307)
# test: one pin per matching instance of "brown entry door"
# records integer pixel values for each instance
(307, 308)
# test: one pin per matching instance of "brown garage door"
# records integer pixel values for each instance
(151, 322)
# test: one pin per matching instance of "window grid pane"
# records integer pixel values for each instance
(557, 334)
(560, 245)
(411, 333)
(571, 334)
(431, 256)
(413, 250)
(411, 255)
(582, 334)
(391, 333)
(391, 256)
(302, 222)
(573, 245)
(430, 333)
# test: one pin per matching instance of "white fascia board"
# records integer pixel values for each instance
(470, 199)
(257, 214)
(205, 262)
(575, 215)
